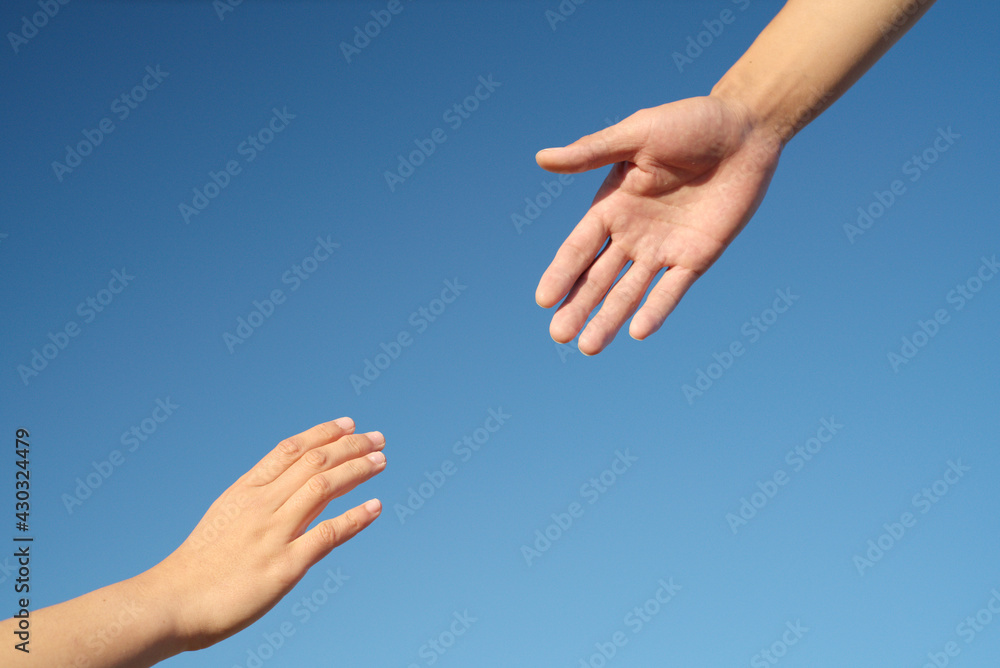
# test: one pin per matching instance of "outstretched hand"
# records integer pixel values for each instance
(252, 546)
(687, 177)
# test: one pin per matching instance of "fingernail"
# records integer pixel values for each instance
(551, 148)
(345, 423)
(376, 458)
(374, 506)
(376, 438)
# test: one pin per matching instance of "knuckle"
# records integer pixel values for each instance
(290, 445)
(328, 533)
(316, 458)
(261, 473)
(631, 294)
(695, 272)
(355, 446)
(319, 485)
(325, 429)
(352, 524)
(361, 445)
(359, 468)
(576, 251)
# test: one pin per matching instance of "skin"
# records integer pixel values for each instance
(688, 176)
(248, 551)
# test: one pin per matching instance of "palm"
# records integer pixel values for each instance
(687, 177)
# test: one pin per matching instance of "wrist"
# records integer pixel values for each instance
(160, 613)
(773, 108)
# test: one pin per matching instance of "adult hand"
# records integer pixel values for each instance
(687, 178)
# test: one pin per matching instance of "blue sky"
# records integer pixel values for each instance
(675, 466)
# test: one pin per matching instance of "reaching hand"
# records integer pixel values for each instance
(252, 546)
(687, 178)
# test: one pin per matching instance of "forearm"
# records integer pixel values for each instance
(124, 625)
(248, 551)
(809, 55)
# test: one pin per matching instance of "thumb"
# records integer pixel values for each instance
(617, 143)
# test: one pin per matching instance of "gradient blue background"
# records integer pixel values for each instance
(323, 175)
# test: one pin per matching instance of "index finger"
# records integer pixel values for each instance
(292, 448)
